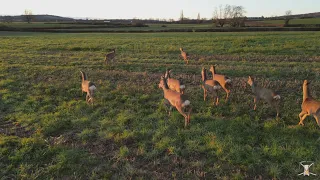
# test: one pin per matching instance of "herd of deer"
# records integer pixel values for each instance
(174, 95)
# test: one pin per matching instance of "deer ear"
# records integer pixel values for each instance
(249, 77)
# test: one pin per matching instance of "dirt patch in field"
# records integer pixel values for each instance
(258, 58)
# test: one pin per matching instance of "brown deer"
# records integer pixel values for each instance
(177, 100)
(224, 81)
(210, 86)
(263, 93)
(309, 105)
(185, 56)
(88, 87)
(174, 84)
(110, 56)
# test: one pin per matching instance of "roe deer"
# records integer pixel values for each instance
(184, 55)
(224, 81)
(309, 105)
(177, 100)
(174, 84)
(262, 93)
(210, 86)
(88, 87)
(110, 56)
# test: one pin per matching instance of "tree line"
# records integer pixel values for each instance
(232, 15)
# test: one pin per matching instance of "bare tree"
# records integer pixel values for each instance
(220, 15)
(181, 16)
(234, 15)
(28, 15)
(237, 17)
(288, 17)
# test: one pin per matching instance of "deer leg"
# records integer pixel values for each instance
(181, 91)
(204, 94)
(227, 96)
(179, 108)
(255, 101)
(213, 100)
(227, 91)
(316, 116)
(189, 112)
(91, 98)
(87, 97)
(168, 106)
(170, 110)
(277, 109)
(273, 104)
(302, 117)
(217, 98)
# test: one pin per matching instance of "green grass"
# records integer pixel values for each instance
(50, 132)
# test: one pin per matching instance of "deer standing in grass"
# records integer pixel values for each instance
(88, 87)
(211, 86)
(309, 105)
(174, 84)
(185, 56)
(110, 56)
(266, 94)
(177, 100)
(223, 80)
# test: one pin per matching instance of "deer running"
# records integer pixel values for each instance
(177, 100)
(309, 105)
(184, 55)
(174, 84)
(88, 87)
(223, 80)
(211, 86)
(266, 94)
(110, 56)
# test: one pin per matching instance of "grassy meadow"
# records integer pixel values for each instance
(309, 21)
(47, 131)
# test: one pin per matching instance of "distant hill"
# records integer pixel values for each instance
(306, 15)
(36, 18)
(294, 16)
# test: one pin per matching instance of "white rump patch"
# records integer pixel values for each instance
(186, 103)
(216, 87)
(92, 88)
(228, 81)
(182, 86)
(277, 97)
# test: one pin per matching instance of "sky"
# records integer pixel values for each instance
(145, 9)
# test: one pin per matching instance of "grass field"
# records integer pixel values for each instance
(295, 21)
(87, 27)
(48, 131)
(96, 28)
